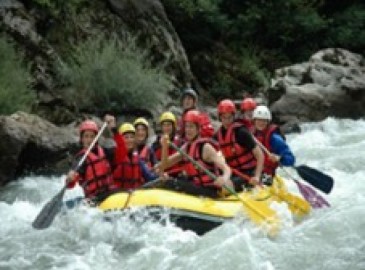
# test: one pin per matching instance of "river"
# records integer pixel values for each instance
(331, 238)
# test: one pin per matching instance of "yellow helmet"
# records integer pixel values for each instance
(168, 116)
(141, 121)
(126, 127)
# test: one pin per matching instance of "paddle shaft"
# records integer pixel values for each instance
(50, 210)
(91, 146)
(246, 177)
(315, 200)
(230, 190)
(316, 178)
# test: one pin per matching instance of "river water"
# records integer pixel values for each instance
(332, 238)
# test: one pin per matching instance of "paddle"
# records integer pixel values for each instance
(258, 212)
(296, 204)
(316, 178)
(315, 200)
(53, 207)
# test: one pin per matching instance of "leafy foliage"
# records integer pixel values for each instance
(108, 75)
(281, 32)
(15, 78)
(56, 7)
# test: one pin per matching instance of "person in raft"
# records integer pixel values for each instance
(189, 101)
(168, 127)
(95, 174)
(277, 151)
(142, 133)
(238, 146)
(206, 152)
(130, 170)
(248, 105)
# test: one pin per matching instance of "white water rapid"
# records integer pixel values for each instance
(331, 238)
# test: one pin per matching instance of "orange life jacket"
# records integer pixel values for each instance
(98, 176)
(128, 172)
(236, 156)
(264, 137)
(199, 177)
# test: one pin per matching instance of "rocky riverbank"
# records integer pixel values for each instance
(330, 83)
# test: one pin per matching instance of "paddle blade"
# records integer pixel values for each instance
(260, 213)
(315, 200)
(49, 211)
(298, 206)
(316, 178)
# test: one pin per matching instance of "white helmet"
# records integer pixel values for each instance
(262, 112)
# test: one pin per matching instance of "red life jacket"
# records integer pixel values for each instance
(236, 156)
(128, 172)
(194, 150)
(145, 155)
(177, 168)
(206, 127)
(264, 137)
(247, 123)
(98, 176)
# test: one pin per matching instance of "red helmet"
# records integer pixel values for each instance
(193, 116)
(248, 104)
(88, 125)
(226, 106)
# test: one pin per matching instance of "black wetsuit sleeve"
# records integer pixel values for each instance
(244, 138)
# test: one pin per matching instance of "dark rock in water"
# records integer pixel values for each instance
(290, 127)
(331, 83)
(28, 143)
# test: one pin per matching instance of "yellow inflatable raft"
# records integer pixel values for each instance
(202, 214)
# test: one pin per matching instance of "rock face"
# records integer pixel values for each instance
(45, 37)
(28, 143)
(147, 19)
(331, 83)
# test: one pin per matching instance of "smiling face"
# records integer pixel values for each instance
(87, 138)
(226, 119)
(248, 115)
(129, 139)
(167, 128)
(191, 131)
(141, 134)
(188, 102)
(260, 124)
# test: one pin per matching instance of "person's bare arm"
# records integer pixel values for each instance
(216, 157)
(259, 155)
(171, 161)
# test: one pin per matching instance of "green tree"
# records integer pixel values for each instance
(15, 79)
(105, 74)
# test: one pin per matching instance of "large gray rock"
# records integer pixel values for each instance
(28, 143)
(331, 83)
(45, 37)
(21, 26)
(147, 20)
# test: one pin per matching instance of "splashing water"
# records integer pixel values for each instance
(331, 238)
